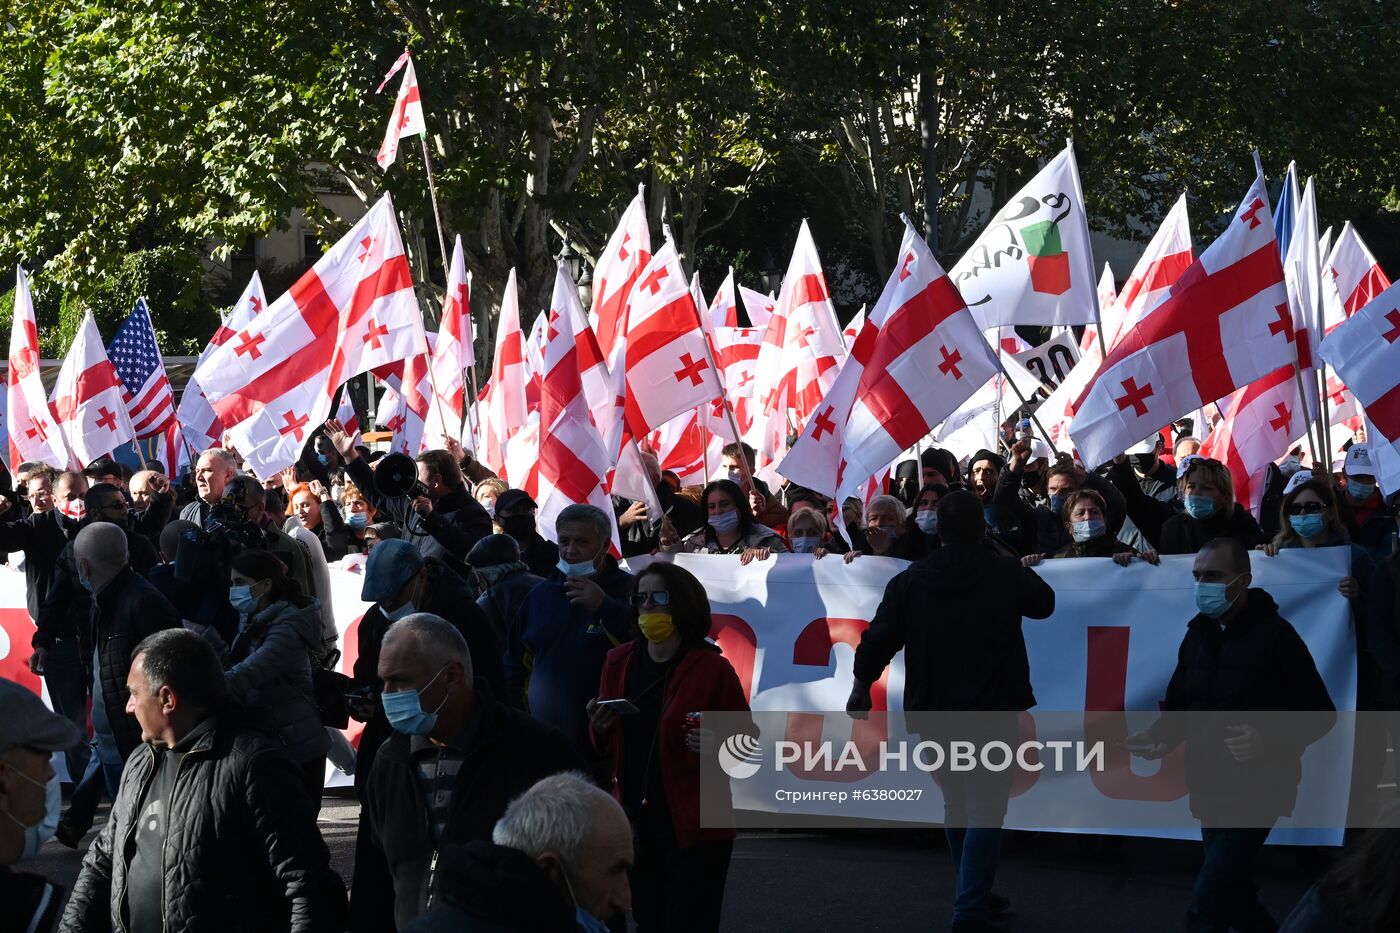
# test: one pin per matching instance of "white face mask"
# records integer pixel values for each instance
(41, 832)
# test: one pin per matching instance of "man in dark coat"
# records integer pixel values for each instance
(957, 614)
(444, 524)
(1043, 528)
(568, 624)
(455, 760)
(515, 516)
(1238, 655)
(504, 582)
(125, 608)
(231, 845)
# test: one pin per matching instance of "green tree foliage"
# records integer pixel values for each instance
(147, 124)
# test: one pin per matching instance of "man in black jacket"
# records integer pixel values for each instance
(456, 759)
(503, 581)
(231, 845)
(957, 614)
(1043, 528)
(1239, 654)
(443, 524)
(125, 609)
(515, 516)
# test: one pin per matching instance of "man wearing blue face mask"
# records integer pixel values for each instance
(1238, 654)
(29, 803)
(455, 761)
(1208, 492)
(568, 624)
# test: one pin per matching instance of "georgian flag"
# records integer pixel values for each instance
(619, 266)
(33, 435)
(201, 426)
(355, 310)
(87, 401)
(407, 117)
(1365, 352)
(1226, 324)
(724, 310)
(506, 407)
(758, 307)
(920, 355)
(1260, 424)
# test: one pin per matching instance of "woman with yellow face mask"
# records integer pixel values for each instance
(667, 675)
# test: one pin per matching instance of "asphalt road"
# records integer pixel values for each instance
(876, 880)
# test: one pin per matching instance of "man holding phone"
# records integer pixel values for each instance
(567, 625)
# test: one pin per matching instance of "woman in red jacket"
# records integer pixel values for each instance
(666, 673)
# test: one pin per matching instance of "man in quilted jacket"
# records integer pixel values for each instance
(211, 828)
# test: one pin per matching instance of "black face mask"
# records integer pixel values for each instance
(1145, 463)
(519, 527)
(1030, 480)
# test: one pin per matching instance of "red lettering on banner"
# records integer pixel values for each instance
(739, 644)
(1105, 690)
(19, 633)
(813, 647)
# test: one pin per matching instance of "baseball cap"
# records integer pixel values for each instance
(26, 722)
(513, 499)
(1296, 480)
(391, 564)
(1358, 462)
(1185, 463)
(102, 466)
(492, 550)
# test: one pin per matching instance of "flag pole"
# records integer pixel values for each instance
(1303, 400)
(446, 268)
(1324, 411)
(1035, 419)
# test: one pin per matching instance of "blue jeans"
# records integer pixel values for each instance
(1226, 897)
(99, 777)
(63, 674)
(974, 806)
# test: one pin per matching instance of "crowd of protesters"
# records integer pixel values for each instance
(528, 760)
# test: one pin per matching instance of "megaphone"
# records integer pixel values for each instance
(397, 475)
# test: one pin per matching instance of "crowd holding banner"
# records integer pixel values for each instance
(565, 571)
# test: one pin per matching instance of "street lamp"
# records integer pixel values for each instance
(585, 286)
(771, 278)
(571, 260)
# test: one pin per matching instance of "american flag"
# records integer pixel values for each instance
(134, 353)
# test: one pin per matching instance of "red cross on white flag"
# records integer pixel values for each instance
(1217, 332)
(406, 119)
(1260, 424)
(452, 354)
(919, 356)
(618, 267)
(573, 461)
(201, 426)
(32, 433)
(87, 400)
(669, 369)
(288, 361)
(506, 407)
(1167, 256)
(724, 310)
(1365, 352)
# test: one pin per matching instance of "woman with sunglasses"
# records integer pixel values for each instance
(668, 672)
(1308, 519)
(730, 527)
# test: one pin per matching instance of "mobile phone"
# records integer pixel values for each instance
(621, 706)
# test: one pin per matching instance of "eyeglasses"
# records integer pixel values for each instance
(658, 598)
(1307, 508)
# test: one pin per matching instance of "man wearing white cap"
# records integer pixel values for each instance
(1373, 522)
(29, 802)
(1149, 490)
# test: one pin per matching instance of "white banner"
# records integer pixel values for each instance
(789, 626)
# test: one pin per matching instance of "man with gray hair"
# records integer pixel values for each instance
(212, 473)
(456, 758)
(558, 861)
(568, 624)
